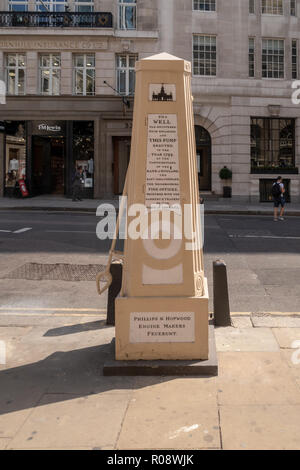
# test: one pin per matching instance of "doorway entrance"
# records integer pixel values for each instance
(121, 149)
(203, 151)
(48, 165)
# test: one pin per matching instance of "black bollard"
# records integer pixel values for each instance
(221, 297)
(116, 271)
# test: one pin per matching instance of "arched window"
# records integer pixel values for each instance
(202, 136)
(203, 155)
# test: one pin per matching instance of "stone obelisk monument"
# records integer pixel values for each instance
(162, 310)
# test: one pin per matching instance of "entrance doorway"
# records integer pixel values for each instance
(203, 151)
(48, 165)
(121, 148)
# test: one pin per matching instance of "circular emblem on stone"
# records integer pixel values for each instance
(199, 283)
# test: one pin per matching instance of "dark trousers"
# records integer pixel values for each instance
(76, 191)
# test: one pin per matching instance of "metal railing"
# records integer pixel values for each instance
(11, 19)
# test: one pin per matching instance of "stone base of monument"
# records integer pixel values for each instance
(164, 328)
(202, 368)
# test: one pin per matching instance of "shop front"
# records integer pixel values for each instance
(46, 154)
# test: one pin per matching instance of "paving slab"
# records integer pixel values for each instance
(41, 342)
(274, 321)
(43, 319)
(256, 378)
(13, 333)
(241, 321)
(11, 337)
(292, 358)
(54, 448)
(21, 389)
(4, 443)
(245, 339)
(260, 427)
(286, 337)
(175, 414)
(61, 422)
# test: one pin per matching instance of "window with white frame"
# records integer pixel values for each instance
(293, 7)
(251, 57)
(204, 55)
(127, 14)
(294, 59)
(50, 74)
(84, 74)
(125, 66)
(252, 7)
(52, 5)
(272, 7)
(204, 5)
(273, 58)
(18, 5)
(15, 74)
(84, 6)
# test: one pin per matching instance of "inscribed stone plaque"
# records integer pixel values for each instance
(162, 172)
(162, 327)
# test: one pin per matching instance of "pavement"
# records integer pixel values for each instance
(212, 206)
(53, 394)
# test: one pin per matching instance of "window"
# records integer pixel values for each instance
(251, 57)
(294, 58)
(50, 74)
(293, 7)
(15, 154)
(272, 7)
(84, 74)
(273, 58)
(84, 6)
(15, 74)
(83, 153)
(126, 73)
(52, 5)
(204, 55)
(272, 144)
(205, 5)
(252, 7)
(18, 5)
(127, 14)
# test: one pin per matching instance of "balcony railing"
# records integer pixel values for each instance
(9, 19)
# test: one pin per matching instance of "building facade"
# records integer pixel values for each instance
(69, 74)
(245, 56)
(62, 67)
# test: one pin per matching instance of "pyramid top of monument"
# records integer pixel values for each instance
(163, 56)
(163, 62)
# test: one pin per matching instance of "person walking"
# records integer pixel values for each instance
(278, 191)
(77, 181)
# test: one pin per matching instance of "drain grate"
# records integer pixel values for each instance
(56, 272)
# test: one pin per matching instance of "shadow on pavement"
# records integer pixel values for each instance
(79, 328)
(64, 376)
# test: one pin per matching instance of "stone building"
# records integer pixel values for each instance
(60, 113)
